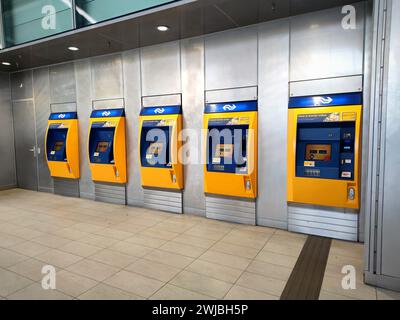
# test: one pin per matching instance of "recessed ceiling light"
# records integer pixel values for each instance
(162, 28)
(5, 63)
(73, 48)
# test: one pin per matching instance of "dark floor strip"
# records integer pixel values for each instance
(306, 278)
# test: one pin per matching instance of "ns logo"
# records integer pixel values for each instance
(322, 100)
(229, 107)
(159, 111)
(106, 114)
(61, 116)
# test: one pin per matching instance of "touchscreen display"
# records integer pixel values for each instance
(224, 151)
(318, 152)
(58, 145)
(102, 146)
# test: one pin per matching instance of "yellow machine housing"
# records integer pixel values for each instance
(62, 145)
(107, 146)
(159, 146)
(235, 126)
(324, 150)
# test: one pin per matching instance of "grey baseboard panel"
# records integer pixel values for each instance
(324, 233)
(8, 187)
(278, 224)
(135, 203)
(89, 196)
(382, 281)
(194, 211)
(46, 190)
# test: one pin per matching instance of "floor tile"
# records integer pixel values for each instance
(260, 283)
(113, 258)
(9, 258)
(27, 233)
(276, 258)
(362, 291)
(168, 258)
(30, 249)
(387, 294)
(31, 269)
(183, 249)
(215, 271)
(87, 227)
(171, 292)
(269, 270)
(154, 270)
(105, 292)
(159, 233)
(284, 249)
(113, 233)
(225, 259)
(98, 241)
(93, 269)
(201, 284)
(206, 232)
(73, 284)
(58, 258)
(131, 249)
(11, 282)
(194, 241)
(135, 283)
(147, 241)
(7, 240)
(326, 295)
(80, 249)
(235, 250)
(36, 292)
(242, 293)
(51, 241)
(69, 233)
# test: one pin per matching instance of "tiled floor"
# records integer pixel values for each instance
(103, 251)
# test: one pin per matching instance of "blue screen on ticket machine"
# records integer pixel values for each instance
(325, 147)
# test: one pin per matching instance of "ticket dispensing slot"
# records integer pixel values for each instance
(107, 146)
(62, 146)
(324, 150)
(231, 136)
(160, 147)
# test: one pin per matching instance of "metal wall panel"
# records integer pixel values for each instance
(84, 103)
(389, 247)
(8, 177)
(323, 222)
(273, 104)
(66, 187)
(238, 211)
(230, 95)
(326, 86)
(110, 193)
(163, 200)
(163, 100)
(21, 85)
(41, 94)
(25, 144)
(161, 69)
(322, 48)
(193, 106)
(107, 79)
(62, 83)
(231, 59)
(133, 95)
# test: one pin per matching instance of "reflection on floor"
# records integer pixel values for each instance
(104, 251)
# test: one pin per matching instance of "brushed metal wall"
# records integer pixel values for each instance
(8, 172)
(273, 68)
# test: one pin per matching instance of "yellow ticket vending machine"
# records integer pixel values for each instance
(324, 150)
(231, 131)
(107, 146)
(159, 147)
(62, 145)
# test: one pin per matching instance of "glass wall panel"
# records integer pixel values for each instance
(27, 20)
(94, 11)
